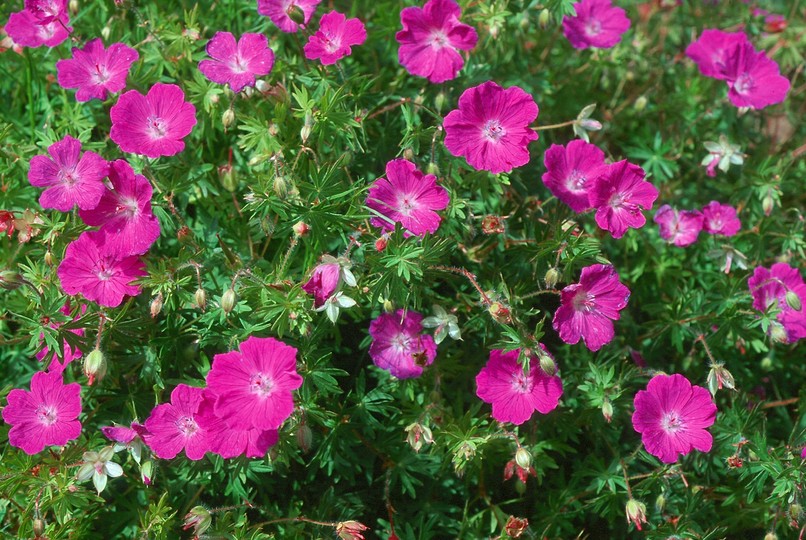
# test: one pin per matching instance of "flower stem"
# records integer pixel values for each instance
(555, 126)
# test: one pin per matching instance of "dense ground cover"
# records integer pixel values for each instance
(406, 270)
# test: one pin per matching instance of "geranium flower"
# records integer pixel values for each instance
(237, 63)
(431, 38)
(45, 416)
(588, 308)
(92, 268)
(47, 11)
(398, 346)
(28, 31)
(680, 228)
(254, 388)
(124, 212)
(228, 442)
(515, 395)
(491, 127)
(334, 39)
(619, 195)
(711, 51)
(280, 12)
(155, 124)
(782, 287)
(173, 427)
(323, 282)
(409, 197)
(672, 416)
(721, 155)
(100, 467)
(71, 179)
(597, 24)
(720, 218)
(754, 80)
(96, 71)
(571, 171)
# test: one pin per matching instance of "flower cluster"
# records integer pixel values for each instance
(42, 22)
(682, 228)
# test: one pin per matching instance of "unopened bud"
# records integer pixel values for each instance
(640, 103)
(248, 91)
(793, 300)
(39, 527)
(95, 366)
(660, 503)
(156, 305)
(301, 229)
(441, 101)
(543, 19)
(432, 168)
(552, 277)
(280, 186)
(547, 364)
(408, 154)
(226, 173)
(274, 129)
(10, 280)
(262, 86)
(147, 472)
(49, 258)
(388, 306)
(105, 31)
(296, 14)
(73, 7)
(200, 298)
(590, 125)
(380, 243)
(636, 513)
(307, 128)
(304, 438)
(770, 536)
(767, 204)
(778, 333)
(607, 410)
(199, 519)
(228, 118)
(228, 300)
(523, 458)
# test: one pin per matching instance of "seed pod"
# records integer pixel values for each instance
(228, 118)
(228, 301)
(793, 300)
(200, 297)
(552, 277)
(156, 305)
(523, 458)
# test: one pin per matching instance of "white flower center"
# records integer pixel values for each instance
(100, 75)
(187, 426)
(575, 181)
(521, 383)
(103, 272)
(406, 205)
(261, 384)
(46, 415)
(68, 177)
(672, 423)
(593, 27)
(583, 301)
(127, 206)
(439, 39)
(744, 84)
(401, 343)
(493, 131)
(157, 127)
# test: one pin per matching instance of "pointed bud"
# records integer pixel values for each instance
(523, 458)
(228, 118)
(547, 364)
(640, 103)
(200, 298)
(543, 19)
(49, 258)
(793, 300)
(301, 229)
(228, 301)
(199, 519)
(156, 305)
(441, 101)
(552, 277)
(660, 503)
(95, 366)
(280, 185)
(432, 168)
(636, 513)
(296, 14)
(39, 527)
(147, 472)
(307, 128)
(607, 410)
(590, 124)
(767, 204)
(10, 280)
(226, 173)
(105, 31)
(304, 438)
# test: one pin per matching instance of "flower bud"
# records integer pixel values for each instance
(441, 101)
(95, 366)
(49, 258)
(199, 519)
(147, 472)
(10, 280)
(262, 86)
(491, 224)
(660, 503)
(523, 458)
(515, 526)
(228, 301)
(432, 168)
(547, 363)
(607, 410)
(226, 173)
(767, 204)
(296, 14)
(72, 6)
(200, 298)
(408, 154)
(280, 186)
(228, 118)
(307, 128)
(248, 91)
(770, 536)
(640, 103)
(543, 19)
(388, 306)
(39, 527)
(552, 277)
(105, 31)
(636, 513)
(718, 377)
(304, 438)
(156, 305)
(793, 300)
(301, 229)
(380, 243)
(778, 333)
(590, 124)
(500, 313)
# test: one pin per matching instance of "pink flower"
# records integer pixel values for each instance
(45, 416)
(228, 442)
(253, 388)
(155, 124)
(323, 282)
(720, 219)
(26, 30)
(96, 71)
(619, 195)
(680, 228)
(780, 287)
(597, 24)
(588, 308)
(71, 179)
(398, 345)
(334, 39)
(92, 268)
(711, 50)
(237, 64)
(173, 427)
(47, 11)
(572, 170)
(514, 395)
(408, 197)
(124, 435)
(672, 416)
(431, 38)
(279, 11)
(70, 354)
(754, 80)
(491, 127)
(124, 212)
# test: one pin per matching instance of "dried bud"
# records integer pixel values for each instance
(10, 280)
(607, 410)
(350, 530)
(778, 333)
(199, 519)
(793, 300)
(516, 526)
(492, 225)
(543, 19)
(636, 513)
(552, 277)
(184, 234)
(200, 298)
(49, 258)
(304, 438)
(718, 377)
(408, 154)
(228, 301)
(228, 118)
(500, 313)
(95, 366)
(301, 229)
(735, 462)
(39, 527)
(523, 458)
(156, 305)
(380, 243)
(418, 435)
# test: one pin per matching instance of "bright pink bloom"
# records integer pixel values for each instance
(491, 127)
(155, 124)
(572, 170)
(720, 219)
(323, 282)
(45, 416)
(680, 228)
(711, 50)
(803, 453)
(71, 179)
(237, 64)
(92, 268)
(588, 308)
(228, 442)
(173, 427)
(398, 345)
(597, 24)
(253, 388)
(278, 11)
(769, 289)
(123, 434)
(409, 197)
(514, 395)
(26, 30)
(69, 353)
(124, 212)
(431, 38)
(755, 81)
(47, 11)
(619, 195)
(96, 71)
(672, 416)
(334, 39)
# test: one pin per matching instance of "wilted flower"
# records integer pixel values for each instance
(730, 255)
(99, 466)
(523, 473)
(350, 530)
(515, 527)
(636, 513)
(445, 323)
(584, 123)
(718, 377)
(199, 519)
(335, 303)
(417, 435)
(721, 155)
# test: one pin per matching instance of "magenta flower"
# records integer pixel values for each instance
(71, 179)
(253, 388)
(96, 71)
(672, 416)
(754, 80)
(407, 196)
(45, 416)
(91, 267)
(720, 218)
(47, 11)
(588, 308)
(431, 38)
(237, 64)
(26, 30)
(323, 282)
(334, 39)
(680, 228)
(597, 24)
(398, 345)
(155, 124)
(572, 170)
(514, 395)
(124, 212)
(711, 50)
(619, 195)
(173, 427)
(280, 11)
(124, 435)
(228, 442)
(781, 287)
(491, 127)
